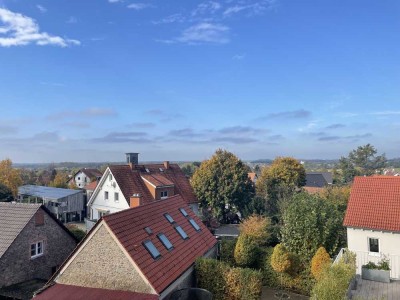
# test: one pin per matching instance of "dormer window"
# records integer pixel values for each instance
(164, 194)
(151, 249)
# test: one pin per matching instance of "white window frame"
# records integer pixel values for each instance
(37, 248)
(369, 249)
(164, 194)
(106, 196)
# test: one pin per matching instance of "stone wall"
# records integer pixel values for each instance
(102, 264)
(16, 265)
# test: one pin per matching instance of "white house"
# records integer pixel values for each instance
(130, 185)
(373, 221)
(85, 176)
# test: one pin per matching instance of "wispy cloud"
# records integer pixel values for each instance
(175, 18)
(242, 130)
(139, 6)
(115, 1)
(335, 126)
(123, 137)
(86, 113)
(41, 8)
(20, 30)
(386, 113)
(249, 7)
(293, 114)
(238, 56)
(353, 138)
(7, 129)
(205, 33)
(164, 116)
(142, 125)
(206, 8)
(72, 20)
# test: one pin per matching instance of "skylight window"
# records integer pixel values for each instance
(161, 169)
(151, 249)
(165, 241)
(148, 230)
(181, 232)
(183, 211)
(194, 224)
(169, 218)
(147, 170)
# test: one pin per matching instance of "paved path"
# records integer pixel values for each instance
(269, 294)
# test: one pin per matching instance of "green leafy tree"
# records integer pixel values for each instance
(190, 168)
(10, 176)
(246, 251)
(222, 184)
(279, 181)
(361, 161)
(256, 227)
(60, 180)
(310, 222)
(5, 193)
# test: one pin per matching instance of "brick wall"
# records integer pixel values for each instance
(16, 264)
(102, 264)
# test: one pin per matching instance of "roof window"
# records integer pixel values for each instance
(194, 224)
(151, 249)
(165, 241)
(161, 170)
(148, 230)
(169, 218)
(181, 232)
(183, 211)
(147, 170)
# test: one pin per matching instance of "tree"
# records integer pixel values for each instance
(319, 262)
(60, 180)
(256, 228)
(190, 168)
(5, 193)
(361, 161)
(246, 251)
(308, 223)
(279, 181)
(222, 184)
(10, 176)
(280, 259)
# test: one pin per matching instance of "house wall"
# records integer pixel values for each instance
(170, 190)
(102, 264)
(188, 278)
(16, 264)
(99, 202)
(389, 246)
(81, 180)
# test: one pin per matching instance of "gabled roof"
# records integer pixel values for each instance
(374, 203)
(91, 173)
(318, 179)
(157, 180)
(13, 219)
(91, 186)
(252, 176)
(68, 292)
(128, 227)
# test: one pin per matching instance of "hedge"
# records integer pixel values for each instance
(226, 251)
(226, 283)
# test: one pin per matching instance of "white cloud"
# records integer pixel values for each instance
(115, 1)
(175, 18)
(386, 113)
(139, 6)
(18, 30)
(257, 7)
(239, 56)
(205, 33)
(206, 7)
(72, 20)
(41, 8)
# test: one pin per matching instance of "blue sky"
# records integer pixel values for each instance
(175, 80)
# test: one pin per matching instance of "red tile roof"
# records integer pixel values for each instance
(68, 292)
(374, 203)
(157, 180)
(91, 186)
(313, 190)
(128, 226)
(130, 181)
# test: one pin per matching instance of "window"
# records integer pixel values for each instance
(147, 170)
(148, 230)
(164, 194)
(79, 178)
(151, 249)
(37, 249)
(110, 177)
(165, 241)
(102, 213)
(105, 195)
(181, 232)
(116, 197)
(161, 170)
(194, 224)
(183, 211)
(169, 218)
(373, 245)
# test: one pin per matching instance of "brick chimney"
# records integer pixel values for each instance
(166, 165)
(132, 159)
(135, 200)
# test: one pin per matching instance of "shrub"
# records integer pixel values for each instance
(319, 262)
(256, 227)
(78, 233)
(210, 275)
(383, 264)
(280, 259)
(270, 276)
(226, 283)
(227, 251)
(246, 251)
(335, 280)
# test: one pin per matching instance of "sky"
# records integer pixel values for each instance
(87, 81)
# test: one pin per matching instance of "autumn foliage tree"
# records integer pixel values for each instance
(319, 262)
(280, 259)
(60, 180)
(222, 184)
(10, 176)
(256, 227)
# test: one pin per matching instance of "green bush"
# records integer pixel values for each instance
(335, 281)
(227, 283)
(226, 251)
(78, 233)
(246, 252)
(270, 277)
